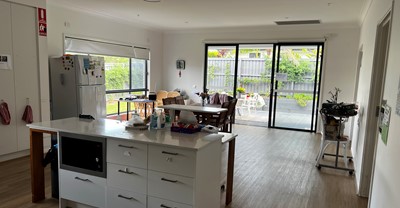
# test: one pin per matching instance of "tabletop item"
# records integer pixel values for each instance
(186, 128)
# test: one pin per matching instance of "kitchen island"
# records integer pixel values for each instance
(143, 168)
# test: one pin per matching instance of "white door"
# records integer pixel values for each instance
(92, 100)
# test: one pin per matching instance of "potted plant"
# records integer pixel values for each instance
(240, 91)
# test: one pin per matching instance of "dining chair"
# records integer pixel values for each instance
(168, 101)
(218, 120)
(230, 115)
(179, 100)
(330, 135)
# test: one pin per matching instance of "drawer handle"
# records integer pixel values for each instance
(81, 179)
(125, 146)
(165, 206)
(126, 171)
(168, 180)
(125, 197)
(169, 153)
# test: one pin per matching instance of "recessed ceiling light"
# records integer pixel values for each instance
(153, 1)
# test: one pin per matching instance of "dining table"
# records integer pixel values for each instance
(135, 101)
(204, 110)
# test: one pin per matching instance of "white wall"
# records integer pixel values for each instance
(386, 182)
(375, 14)
(73, 22)
(340, 58)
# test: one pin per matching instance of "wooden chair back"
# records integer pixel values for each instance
(179, 100)
(168, 101)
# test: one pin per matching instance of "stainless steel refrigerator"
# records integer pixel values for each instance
(77, 85)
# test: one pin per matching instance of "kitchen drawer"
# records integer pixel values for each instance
(172, 187)
(162, 203)
(118, 198)
(82, 188)
(127, 153)
(127, 178)
(172, 160)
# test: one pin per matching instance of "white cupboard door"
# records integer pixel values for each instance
(26, 68)
(8, 135)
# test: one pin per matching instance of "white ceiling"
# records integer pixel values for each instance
(198, 14)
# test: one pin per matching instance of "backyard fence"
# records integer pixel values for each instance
(254, 74)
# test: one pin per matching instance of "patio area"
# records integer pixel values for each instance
(288, 115)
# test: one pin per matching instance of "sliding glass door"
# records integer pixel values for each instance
(277, 85)
(221, 68)
(296, 79)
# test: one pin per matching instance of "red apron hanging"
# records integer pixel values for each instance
(28, 117)
(4, 114)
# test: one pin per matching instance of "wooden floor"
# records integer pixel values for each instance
(273, 168)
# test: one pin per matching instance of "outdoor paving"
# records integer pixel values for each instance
(284, 119)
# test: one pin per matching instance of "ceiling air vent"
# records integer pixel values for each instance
(298, 22)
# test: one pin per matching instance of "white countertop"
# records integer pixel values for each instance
(116, 129)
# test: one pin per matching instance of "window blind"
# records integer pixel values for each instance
(81, 45)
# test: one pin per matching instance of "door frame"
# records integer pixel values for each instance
(317, 86)
(207, 45)
(374, 103)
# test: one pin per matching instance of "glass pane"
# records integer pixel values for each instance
(117, 73)
(112, 102)
(138, 73)
(295, 86)
(253, 81)
(221, 69)
(294, 110)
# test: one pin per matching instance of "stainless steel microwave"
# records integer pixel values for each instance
(83, 154)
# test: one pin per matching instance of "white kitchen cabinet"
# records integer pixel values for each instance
(172, 160)
(154, 202)
(127, 178)
(20, 84)
(127, 153)
(173, 187)
(8, 136)
(125, 199)
(83, 188)
(149, 168)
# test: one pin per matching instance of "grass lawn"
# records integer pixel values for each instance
(112, 107)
